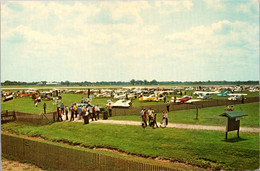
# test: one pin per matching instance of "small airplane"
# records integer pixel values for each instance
(151, 98)
(204, 96)
(37, 99)
(184, 99)
(236, 96)
(205, 92)
(8, 97)
(224, 94)
(27, 94)
(120, 103)
(102, 95)
(143, 98)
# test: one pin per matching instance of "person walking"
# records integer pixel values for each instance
(76, 110)
(90, 112)
(44, 108)
(164, 98)
(163, 123)
(71, 113)
(62, 108)
(166, 118)
(142, 113)
(168, 106)
(59, 114)
(150, 116)
(66, 112)
(145, 119)
(79, 111)
(94, 112)
(154, 120)
(58, 109)
(97, 111)
(110, 109)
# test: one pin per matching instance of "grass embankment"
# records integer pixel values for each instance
(207, 116)
(201, 148)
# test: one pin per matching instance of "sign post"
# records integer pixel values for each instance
(233, 121)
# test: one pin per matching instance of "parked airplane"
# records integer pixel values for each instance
(184, 99)
(204, 96)
(152, 98)
(224, 94)
(120, 103)
(205, 92)
(236, 96)
(8, 97)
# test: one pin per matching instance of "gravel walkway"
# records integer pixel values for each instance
(172, 125)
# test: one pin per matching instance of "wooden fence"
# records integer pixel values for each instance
(50, 117)
(179, 106)
(57, 157)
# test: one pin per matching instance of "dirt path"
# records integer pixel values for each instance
(172, 125)
(17, 166)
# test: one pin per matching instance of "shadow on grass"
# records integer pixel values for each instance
(233, 140)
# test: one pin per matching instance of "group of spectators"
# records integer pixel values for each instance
(152, 118)
(78, 111)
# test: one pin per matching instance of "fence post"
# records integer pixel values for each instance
(14, 115)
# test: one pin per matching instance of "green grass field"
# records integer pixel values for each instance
(207, 116)
(26, 104)
(201, 148)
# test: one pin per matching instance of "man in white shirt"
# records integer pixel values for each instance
(97, 111)
(150, 116)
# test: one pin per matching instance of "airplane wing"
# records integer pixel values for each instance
(236, 94)
(193, 100)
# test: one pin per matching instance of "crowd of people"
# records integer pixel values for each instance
(92, 112)
(152, 118)
(78, 111)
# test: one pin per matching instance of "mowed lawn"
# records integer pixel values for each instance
(207, 116)
(201, 148)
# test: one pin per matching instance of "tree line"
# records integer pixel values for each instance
(131, 82)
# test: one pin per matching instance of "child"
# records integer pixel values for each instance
(154, 121)
(144, 120)
(163, 123)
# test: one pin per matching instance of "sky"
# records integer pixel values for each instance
(170, 40)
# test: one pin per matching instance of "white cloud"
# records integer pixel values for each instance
(175, 6)
(249, 8)
(76, 39)
(167, 7)
(224, 39)
(215, 4)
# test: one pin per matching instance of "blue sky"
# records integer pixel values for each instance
(117, 41)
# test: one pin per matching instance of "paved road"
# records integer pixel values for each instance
(173, 125)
